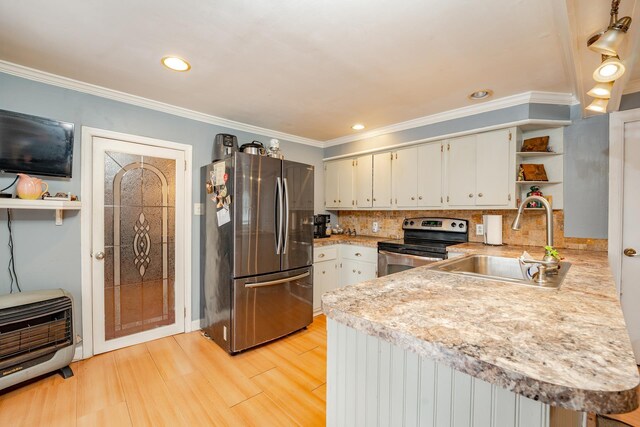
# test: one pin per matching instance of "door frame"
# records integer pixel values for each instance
(86, 193)
(617, 121)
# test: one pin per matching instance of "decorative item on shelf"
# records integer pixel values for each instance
(30, 188)
(537, 144)
(535, 191)
(60, 197)
(521, 173)
(534, 172)
(274, 149)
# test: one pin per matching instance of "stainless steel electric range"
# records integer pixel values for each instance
(425, 241)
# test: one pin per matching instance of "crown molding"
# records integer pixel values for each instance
(632, 86)
(103, 92)
(496, 104)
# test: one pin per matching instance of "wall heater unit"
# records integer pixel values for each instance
(36, 335)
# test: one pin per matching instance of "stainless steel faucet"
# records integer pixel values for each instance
(548, 262)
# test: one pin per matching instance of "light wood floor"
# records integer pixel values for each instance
(183, 380)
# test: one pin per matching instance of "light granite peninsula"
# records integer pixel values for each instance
(422, 347)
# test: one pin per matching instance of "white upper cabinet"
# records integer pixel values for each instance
(494, 175)
(338, 189)
(430, 175)
(404, 177)
(461, 171)
(364, 181)
(382, 180)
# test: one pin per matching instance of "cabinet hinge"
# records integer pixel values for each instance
(448, 147)
(390, 201)
(185, 165)
(185, 312)
(509, 135)
(340, 265)
(396, 156)
(447, 199)
(353, 203)
(356, 203)
(441, 200)
(442, 148)
(509, 197)
(391, 156)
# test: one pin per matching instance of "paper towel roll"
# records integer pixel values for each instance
(492, 229)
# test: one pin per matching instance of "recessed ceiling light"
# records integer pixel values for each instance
(175, 63)
(480, 94)
(357, 126)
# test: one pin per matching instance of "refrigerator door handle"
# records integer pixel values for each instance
(286, 213)
(277, 282)
(279, 212)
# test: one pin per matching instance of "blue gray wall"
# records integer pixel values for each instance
(489, 118)
(630, 101)
(586, 175)
(48, 256)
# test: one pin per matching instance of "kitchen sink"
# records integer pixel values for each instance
(499, 268)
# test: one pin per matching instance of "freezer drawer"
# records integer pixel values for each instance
(270, 306)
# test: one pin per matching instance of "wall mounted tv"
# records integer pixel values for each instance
(35, 145)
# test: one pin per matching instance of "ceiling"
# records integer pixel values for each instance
(307, 68)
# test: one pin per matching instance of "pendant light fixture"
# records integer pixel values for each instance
(607, 43)
(609, 40)
(601, 90)
(609, 70)
(598, 105)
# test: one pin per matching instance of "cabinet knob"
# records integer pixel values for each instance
(479, 194)
(320, 255)
(358, 254)
(358, 271)
(335, 201)
(367, 200)
(413, 198)
(354, 271)
(470, 195)
(99, 255)
(340, 201)
(323, 272)
(374, 199)
(419, 197)
(630, 252)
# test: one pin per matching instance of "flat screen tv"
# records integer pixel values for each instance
(35, 145)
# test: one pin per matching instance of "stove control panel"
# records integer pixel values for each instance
(436, 224)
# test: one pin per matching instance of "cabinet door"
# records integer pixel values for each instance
(404, 177)
(331, 184)
(345, 183)
(364, 181)
(324, 280)
(382, 180)
(430, 175)
(461, 171)
(356, 271)
(492, 174)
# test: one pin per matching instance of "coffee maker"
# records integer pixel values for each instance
(320, 224)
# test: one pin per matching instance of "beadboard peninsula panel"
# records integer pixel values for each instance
(371, 382)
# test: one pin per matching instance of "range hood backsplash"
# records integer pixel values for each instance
(532, 232)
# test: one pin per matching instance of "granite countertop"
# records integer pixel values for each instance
(343, 239)
(567, 347)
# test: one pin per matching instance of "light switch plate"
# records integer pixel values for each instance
(479, 229)
(375, 227)
(198, 209)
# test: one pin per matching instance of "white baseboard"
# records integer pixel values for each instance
(196, 324)
(77, 355)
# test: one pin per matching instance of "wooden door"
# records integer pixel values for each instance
(364, 181)
(461, 171)
(404, 177)
(430, 175)
(492, 173)
(382, 180)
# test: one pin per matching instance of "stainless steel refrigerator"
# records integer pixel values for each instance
(257, 251)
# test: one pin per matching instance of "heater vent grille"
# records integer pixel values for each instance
(34, 330)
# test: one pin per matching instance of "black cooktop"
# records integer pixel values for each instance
(415, 245)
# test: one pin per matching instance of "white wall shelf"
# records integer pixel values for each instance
(537, 154)
(58, 205)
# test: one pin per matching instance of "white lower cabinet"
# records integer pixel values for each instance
(341, 265)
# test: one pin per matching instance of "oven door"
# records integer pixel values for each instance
(393, 262)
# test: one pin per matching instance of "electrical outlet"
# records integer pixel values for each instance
(479, 229)
(375, 227)
(197, 208)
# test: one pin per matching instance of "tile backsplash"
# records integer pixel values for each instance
(532, 233)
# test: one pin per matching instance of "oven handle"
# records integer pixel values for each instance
(423, 258)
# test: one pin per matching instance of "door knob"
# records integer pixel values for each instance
(630, 252)
(99, 255)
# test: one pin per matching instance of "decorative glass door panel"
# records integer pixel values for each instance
(138, 229)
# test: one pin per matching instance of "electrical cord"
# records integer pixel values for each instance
(10, 185)
(12, 265)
